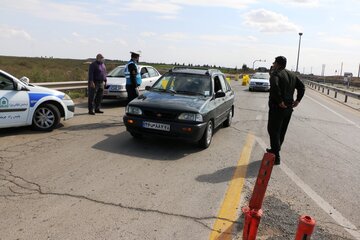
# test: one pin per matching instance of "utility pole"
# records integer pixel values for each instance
(341, 68)
(297, 63)
(359, 71)
(323, 71)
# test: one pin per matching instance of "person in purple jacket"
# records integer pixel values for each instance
(97, 82)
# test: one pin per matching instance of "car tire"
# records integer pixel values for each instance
(207, 137)
(250, 89)
(136, 135)
(228, 121)
(46, 117)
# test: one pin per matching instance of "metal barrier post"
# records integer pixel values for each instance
(253, 212)
(305, 228)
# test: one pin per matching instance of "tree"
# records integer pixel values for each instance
(244, 67)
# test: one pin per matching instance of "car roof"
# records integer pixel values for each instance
(138, 66)
(192, 70)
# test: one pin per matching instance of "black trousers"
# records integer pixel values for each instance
(131, 92)
(278, 122)
(95, 96)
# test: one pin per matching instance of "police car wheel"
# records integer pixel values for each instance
(46, 117)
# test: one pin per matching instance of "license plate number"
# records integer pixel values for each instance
(157, 126)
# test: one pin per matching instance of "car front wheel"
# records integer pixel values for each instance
(228, 121)
(46, 117)
(207, 137)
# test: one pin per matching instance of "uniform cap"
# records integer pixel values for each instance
(136, 52)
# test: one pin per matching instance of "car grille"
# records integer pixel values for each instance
(153, 114)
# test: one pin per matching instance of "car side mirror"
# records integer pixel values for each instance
(147, 88)
(19, 87)
(25, 80)
(219, 94)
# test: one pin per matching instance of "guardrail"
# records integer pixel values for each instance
(322, 87)
(82, 85)
(65, 86)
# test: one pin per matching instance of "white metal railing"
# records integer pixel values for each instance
(323, 87)
(79, 85)
(63, 86)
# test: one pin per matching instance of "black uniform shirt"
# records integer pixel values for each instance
(282, 87)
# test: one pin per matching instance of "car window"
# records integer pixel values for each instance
(222, 82)
(261, 76)
(217, 84)
(228, 88)
(6, 83)
(191, 84)
(144, 73)
(152, 72)
(117, 72)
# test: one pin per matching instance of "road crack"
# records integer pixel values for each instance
(26, 188)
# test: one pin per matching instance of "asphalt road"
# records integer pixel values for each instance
(89, 179)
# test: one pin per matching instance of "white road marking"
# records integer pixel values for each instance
(336, 113)
(258, 117)
(330, 210)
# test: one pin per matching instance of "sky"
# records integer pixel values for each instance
(226, 33)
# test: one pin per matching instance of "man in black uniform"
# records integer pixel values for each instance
(281, 103)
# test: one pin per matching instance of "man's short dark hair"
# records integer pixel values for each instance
(134, 55)
(281, 60)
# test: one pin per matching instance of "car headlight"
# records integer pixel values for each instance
(67, 97)
(195, 117)
(252, 83)
(133, 110)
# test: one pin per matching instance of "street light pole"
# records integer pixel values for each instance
(259, 60)
(297, 63)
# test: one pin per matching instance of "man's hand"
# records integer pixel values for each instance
(92, 85)
(282, 105)
(295, 104)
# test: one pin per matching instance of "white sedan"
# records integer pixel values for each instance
(260, 81)
(22, 104)
(116, 82)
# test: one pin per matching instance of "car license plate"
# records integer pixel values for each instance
(106, 91)
(157, 126)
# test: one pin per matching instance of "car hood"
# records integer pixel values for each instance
(259, 80)
(44, 90)
(168, 101)
(115, 81)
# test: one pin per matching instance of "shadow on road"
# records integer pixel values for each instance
(106, 103)
(226, 174)
(153, 148)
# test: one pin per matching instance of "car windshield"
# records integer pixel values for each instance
(117, 72)
(188, 84)
(261, 76)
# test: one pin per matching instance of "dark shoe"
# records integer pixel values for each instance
(98, 111)
(277, 156)
(91, 113)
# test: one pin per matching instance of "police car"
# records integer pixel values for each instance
(116, 81)
(22, 104)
